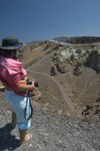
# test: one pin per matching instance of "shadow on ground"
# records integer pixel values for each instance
(8, 141)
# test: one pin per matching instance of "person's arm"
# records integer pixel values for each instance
(22, 87)
(25, 80)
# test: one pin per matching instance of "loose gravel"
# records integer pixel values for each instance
(50, 132)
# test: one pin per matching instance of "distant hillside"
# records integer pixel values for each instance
(31, 52)
(62, 38)
(83, 40)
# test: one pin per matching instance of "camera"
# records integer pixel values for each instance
(29, 82)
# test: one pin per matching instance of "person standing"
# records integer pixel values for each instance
(15, 89)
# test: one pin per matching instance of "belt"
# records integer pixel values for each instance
(8, 89)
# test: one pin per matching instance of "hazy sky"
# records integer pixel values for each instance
(30, 20)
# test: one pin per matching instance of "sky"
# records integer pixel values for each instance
(30, 20)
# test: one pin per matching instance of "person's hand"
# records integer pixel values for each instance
(32, 86)
(25, 87)
(26, 79)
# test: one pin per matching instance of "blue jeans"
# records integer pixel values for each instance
(18, 104)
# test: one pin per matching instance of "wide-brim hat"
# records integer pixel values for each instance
(10, 43)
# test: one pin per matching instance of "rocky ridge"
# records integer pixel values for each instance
(84, 40)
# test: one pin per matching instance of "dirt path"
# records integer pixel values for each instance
(41, 63)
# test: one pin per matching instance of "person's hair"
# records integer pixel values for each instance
(5, 53)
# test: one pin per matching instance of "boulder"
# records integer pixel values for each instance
(93, 61)
(78, 58)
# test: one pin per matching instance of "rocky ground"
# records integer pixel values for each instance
(67, 102)
(50, 131)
